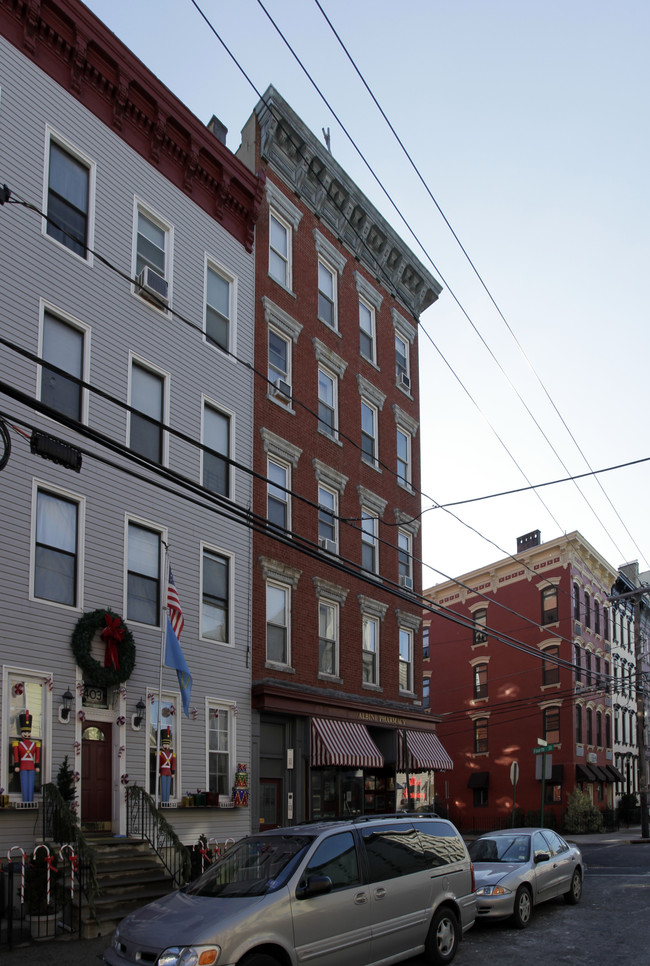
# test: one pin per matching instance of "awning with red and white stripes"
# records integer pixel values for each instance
(344, 743)
(425, 752)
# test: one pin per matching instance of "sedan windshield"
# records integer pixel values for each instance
(252, 867)
(501, 848)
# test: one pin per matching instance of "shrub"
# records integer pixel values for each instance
(581, 814)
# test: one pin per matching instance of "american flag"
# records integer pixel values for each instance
(176, 618)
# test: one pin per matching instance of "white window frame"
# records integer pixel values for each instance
(214, 551)
(52, 136)
(405, 548)
(30, 678)
(211, 265)
(372, 460)
(45, 308)
(273, 490)
(334, 262)
(285, 259)
(172, 701)
(406, 663)
(286, 589)
(80, 502)
(288, 216)
(370, 333)
(326, 513)
(334, 434)
(368, 621)
(326, 267)
(370, 537)
(140, 208)
(402, 348)
(228, 708)
(404, 478)
(275, 374)
(162, 580)
(333, 607)
(210, 404)
(141, 363)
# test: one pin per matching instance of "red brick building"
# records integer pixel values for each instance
(336, 635)
(521, 651)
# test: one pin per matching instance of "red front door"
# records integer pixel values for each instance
(96, 772)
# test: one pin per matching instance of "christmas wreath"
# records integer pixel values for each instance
(119, 656)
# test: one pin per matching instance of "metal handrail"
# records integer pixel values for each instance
(143, 819)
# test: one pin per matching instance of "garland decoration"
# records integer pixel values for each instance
(119, 658)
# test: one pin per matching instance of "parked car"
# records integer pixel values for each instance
(350, 893)
(521, 867)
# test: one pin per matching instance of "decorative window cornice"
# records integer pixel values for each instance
(327, 250)
(277, 446)
(406, 522)
(330, 591)
(372, 608)
(372, 394)
(368, 292)
(276, 570)
(326, 474)
(404, 421)
(327, 356)
(409, 621)
(282, 205)
(405, 328)
(371, 501)
(281, 319)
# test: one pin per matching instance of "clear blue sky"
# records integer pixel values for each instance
(529, 124)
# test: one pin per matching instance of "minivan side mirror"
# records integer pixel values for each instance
(315, 885)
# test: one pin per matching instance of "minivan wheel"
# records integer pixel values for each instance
(573, 896)
(258, 959)
(443, 938)
(523, 907)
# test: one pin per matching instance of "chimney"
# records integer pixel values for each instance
(532, 539)
(219, 130)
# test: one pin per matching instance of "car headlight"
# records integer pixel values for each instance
(493, 890)
(189, 956)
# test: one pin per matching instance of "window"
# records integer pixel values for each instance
(143, 575)
(576, 602)
(215, 612)
(552, 725)
(549, 605)
(336, 858)
(280, 365)
(590, 730)
(606, 623)
(577, 651)
(599, 729)
(169, 703)
(326, 294)
(370, 673)
(327, 518)
(480, 736)
(221, 727)
(404, 559)
(152, 246)
(367, 331)
(216, 440)
(63, 347)
(550, 668)
(426, 692)
(578, 724)
(596, 617)
(68, 199)
(328, 638)
(480, 681)
(279, 250)
(146, 425)
(402, 362)
(277, 623)
(480, 626)
(327, 404)
(588, 678)
(405, 659)
(425, 642)
(608, 731)
(587, 609)
(368, 432)
(403, 458)
(599, 680)
(26, 692)
(218, 308)
(56, 549)
(278, 504)
(369, 543)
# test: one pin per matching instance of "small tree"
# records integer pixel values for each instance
(581, 814)
(65, 782)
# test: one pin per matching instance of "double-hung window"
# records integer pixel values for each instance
(550, 667)
(369, 541)
(153, 242)
(279, 371)
(68, 199)
(278, 602)
(218, 308)
(552, 725)
(221, 741)
(403, 457)
(368, 432)
(143, 574)
(216, 440)
(405, 559)
(326, 294)
(215, 610)
(56, 548)
(480, 680)
(402, 371)
(328, 620)
(370, 656)
(405, 659)
(480, 736)
(367, 343)
(327, 403)
(278, 505)
(279, 250)
(327, 518)
(549, 605)
(480, 626)
(146, 435)
(63, 347)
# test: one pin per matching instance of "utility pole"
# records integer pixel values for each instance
(635, 597)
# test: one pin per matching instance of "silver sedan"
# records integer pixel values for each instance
(521, 867)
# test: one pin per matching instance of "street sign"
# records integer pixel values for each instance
(542, 751)
(514, 772)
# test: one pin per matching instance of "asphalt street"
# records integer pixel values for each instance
(610, 924)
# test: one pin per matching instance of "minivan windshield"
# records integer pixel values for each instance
(252, 867)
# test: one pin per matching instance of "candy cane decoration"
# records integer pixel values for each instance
(228, 843)
(17, 848)
(74, 865)
(50, 866)
(215, 847)
(203, 851)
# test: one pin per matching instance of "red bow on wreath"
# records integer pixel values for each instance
(113, 634)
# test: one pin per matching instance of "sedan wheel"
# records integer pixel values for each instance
(523, 907)
(442, 941)
(573, 896)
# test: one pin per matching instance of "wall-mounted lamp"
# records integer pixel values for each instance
(138, 717)
(66, 704)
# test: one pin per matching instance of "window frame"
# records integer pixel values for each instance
(286, 259)
(333, 608)
(328, 517)
(42, 723)
(161, 533)
(79, 502)
(137, 362)
(371, 458)
(274, 373)
(550, 615)
(551, 732)
(207, 453)
(148, 213)
(370, 333)
(370, 539)
(481, 745)
(404, 470)
(405, 558)
(550, 670)
(324, 297)
(369, 620)
(405, 663)
(66, 147)
(216, 552)
(211, 265)
(480, 680)
(275, 489)
(479, 632)
(49, 311)
(277, 585)
(323, 427)
(215, 709)
(402, 369)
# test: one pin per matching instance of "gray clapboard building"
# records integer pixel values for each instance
(126, 328)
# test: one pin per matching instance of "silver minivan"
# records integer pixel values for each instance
(351, 893)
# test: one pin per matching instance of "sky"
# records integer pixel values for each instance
(526, 196)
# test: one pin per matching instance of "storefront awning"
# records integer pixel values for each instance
(584, 774)
(479, 779)
(343, 743)
(425, 752)
(600, 773)
(614, 773)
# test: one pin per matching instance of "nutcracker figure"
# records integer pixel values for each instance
(27, 756)
(166, 764)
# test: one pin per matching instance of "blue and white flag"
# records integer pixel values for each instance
(173, 653)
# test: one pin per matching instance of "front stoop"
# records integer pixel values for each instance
(129, 875)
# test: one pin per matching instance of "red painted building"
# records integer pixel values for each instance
(519, 652)
(336, 627)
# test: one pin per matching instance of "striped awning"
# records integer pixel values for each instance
(425, 752)
(344, 743)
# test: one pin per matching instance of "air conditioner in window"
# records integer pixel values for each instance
(405, 581)
(405, 382)
(282, 390)
(325, 544)
(153, 286)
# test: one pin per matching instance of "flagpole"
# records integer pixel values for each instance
(163, 635)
